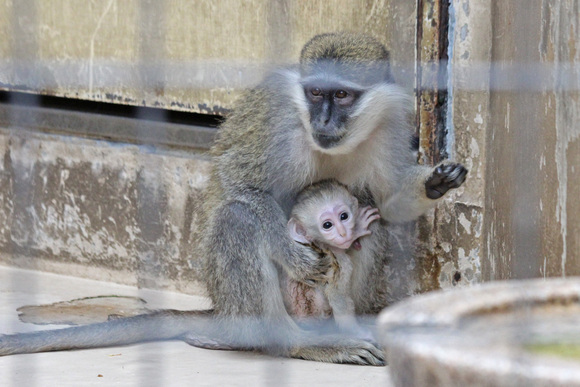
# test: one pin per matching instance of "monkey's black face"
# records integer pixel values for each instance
(330, 106)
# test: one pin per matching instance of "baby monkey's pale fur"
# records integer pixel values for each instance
(328, 217)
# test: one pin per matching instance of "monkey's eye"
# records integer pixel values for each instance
(316, 91)
(344, 216)
(327, 225)
(341, 94)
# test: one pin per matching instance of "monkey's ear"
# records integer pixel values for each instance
(297, 231)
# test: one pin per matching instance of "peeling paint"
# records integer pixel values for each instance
(464, 32)
(465, 6)
(92, 203)
(465, 223)
(459, 230)
(446, 246)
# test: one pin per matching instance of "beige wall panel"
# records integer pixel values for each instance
(514, 242)
(531, 221)
(91, 30)
(184, 55)
(5, 20)
(393, 22)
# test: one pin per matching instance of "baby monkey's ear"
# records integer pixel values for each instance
(297, 231)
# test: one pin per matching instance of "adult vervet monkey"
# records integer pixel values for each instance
(337, 115)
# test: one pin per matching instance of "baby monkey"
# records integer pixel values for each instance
(327, 217)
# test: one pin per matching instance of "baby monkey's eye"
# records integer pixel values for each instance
(340, 94)
(344, 216)
(327, 225)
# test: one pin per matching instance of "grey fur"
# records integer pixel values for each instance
(264, 155)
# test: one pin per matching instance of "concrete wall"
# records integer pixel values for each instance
(98, 209)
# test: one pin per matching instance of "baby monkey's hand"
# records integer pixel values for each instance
(365, 216)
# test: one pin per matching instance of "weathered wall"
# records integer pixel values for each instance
(457, 232)
(97, 209)
(513, 119)
(178, 54)
(532, 227)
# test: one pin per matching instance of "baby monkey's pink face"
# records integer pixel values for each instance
(336, 225)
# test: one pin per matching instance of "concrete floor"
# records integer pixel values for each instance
(153, 364)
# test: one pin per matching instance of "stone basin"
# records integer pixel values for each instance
(513, 333)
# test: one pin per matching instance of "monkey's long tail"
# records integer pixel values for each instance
(162, 325)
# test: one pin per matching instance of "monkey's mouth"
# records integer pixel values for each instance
(326, 141)
(345, 244)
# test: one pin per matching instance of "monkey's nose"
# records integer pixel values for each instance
(341, 230)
